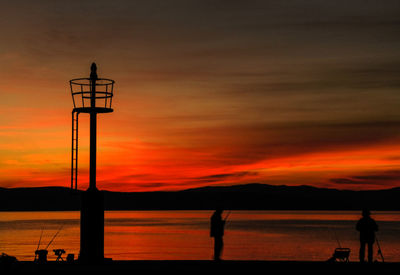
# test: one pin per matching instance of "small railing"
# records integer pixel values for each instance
(82, 93)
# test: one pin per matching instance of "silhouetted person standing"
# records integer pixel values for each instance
(217, 232)
(367, 227)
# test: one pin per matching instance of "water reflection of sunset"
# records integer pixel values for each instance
(184, 235)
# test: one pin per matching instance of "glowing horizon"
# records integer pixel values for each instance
(302, 93)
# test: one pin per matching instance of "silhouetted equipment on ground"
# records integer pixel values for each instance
(379, 250)
(70, 258)
(341, 254)
(91, 95)
(7, 261)
(41, 254)
(59, 253)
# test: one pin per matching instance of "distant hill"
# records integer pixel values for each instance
(245, 197)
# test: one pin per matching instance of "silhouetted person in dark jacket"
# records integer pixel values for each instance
(217, 232)
(367, 227)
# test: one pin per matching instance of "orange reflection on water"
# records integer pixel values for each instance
(151, 235)
(184, 235)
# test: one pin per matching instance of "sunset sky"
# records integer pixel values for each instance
(207, 93)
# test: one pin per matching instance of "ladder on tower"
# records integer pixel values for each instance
(74, 150)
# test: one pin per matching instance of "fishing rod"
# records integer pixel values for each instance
(379, 249)
(227, 215)
(40, 239)
(337, 239)
(54, 237)
(37, 248)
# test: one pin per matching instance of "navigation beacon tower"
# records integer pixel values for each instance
(91, 95)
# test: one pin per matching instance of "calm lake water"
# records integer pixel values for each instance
(184, 235)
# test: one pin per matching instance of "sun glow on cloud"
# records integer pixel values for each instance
(206, 94)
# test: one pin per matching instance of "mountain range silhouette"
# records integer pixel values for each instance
(236, 197)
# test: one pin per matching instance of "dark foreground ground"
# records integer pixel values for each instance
(205, 267)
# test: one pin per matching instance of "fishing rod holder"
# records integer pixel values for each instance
(41, 256)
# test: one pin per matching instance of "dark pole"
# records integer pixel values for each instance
(92, 206)
(93, 128)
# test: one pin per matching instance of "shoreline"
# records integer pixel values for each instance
(205, 266)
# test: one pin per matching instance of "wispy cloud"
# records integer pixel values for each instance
(232, 177)
(205, 90)
(382, 179)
